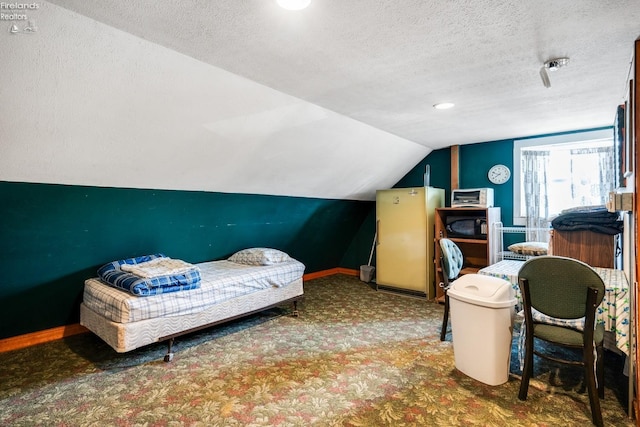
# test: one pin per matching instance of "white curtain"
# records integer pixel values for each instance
(592, 175)
(592, 178)
(535, 164)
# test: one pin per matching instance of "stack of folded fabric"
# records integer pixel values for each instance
(594, 218)
(151, 275)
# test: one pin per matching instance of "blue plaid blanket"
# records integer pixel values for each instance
(112, 274)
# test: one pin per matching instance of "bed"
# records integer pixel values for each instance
(249, 281)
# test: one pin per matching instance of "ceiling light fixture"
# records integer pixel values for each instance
(444, 105)
(551, 65)
(294, 4)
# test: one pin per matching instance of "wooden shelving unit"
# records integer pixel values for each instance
(476, 251)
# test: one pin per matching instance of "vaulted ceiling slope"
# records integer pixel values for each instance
(386, 63)
(334, 101)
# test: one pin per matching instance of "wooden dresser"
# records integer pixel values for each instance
(596, 249)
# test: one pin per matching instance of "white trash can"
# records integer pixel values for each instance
(482, 314)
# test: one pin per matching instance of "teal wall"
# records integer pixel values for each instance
(56, 236)
(475, 160)
(439, 162)
(359, 250)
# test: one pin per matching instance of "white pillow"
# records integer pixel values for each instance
(530, 248)
(259, 256)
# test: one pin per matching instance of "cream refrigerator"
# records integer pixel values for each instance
(405, 220)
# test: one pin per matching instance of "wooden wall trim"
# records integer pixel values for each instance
(634, 126)
(41, 337)
(330, 272)
(455, 167)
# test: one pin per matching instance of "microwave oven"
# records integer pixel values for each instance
(472, 198)
(470, 227)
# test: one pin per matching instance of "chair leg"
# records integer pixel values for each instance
(600, 371)
(445, 317)
(590, 378)
(527, 372)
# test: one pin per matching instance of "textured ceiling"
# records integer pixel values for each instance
(385, 63)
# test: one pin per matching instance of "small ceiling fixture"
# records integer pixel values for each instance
(444, 105)
(294, 4)
(551, 65)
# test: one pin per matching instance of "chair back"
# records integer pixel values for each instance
(558, 286)
(452, 259)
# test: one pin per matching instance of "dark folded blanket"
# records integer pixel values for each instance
(592, 218)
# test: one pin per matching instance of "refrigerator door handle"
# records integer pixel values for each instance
(377, 232)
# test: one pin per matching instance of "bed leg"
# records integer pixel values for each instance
(295, 309)
(169, 356)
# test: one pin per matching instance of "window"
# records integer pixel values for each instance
(560, 172)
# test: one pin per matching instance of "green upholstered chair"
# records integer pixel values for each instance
(560, 297)
(451, 262)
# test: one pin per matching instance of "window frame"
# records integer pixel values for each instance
(519, 144)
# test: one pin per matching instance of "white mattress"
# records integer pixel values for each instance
(221, 281)
(125, 337)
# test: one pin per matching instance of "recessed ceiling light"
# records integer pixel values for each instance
(444, 105)
(294, 4)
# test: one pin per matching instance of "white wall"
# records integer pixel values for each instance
(86, 104)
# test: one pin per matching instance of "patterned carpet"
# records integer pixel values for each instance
(354, 357)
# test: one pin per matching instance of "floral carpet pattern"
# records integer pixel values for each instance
(354, 357)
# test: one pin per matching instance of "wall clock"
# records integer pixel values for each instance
(499, 174)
